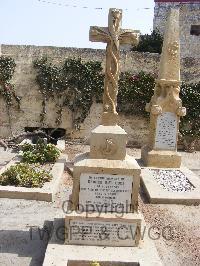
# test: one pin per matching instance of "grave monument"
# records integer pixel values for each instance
(165, 106)
(164, 178)
(103, 223)
(106, 180)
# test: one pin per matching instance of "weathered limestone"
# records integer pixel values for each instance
(103, 230)
(114, 168)
(164, 179)
(189, 16)
(106, 180)
(108, 142)
(113, 35)
(83, 255)
(165, 106)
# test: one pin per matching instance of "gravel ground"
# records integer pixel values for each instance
(172, 180)
(176, 227)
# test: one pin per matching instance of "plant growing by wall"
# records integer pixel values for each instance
(151, 43)
(74, 84)
(7, 69)
(134, 92)
(190, 124)
(77, 84)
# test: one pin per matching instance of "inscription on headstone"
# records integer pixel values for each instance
(109, 233)
(166, 131)
(102, 192)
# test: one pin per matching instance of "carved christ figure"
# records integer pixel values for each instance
(113, 35)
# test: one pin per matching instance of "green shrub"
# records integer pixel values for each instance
(134, 92)
(39, 153)
(190, 124)
(7, 69)
(27, 147)
(94, 263)
(24, 175)
(151, 43)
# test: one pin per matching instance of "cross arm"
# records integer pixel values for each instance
(129, 37)
(99, 34)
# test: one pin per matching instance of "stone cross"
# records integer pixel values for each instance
(114, 36)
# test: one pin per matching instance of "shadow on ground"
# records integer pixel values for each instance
(29, 244)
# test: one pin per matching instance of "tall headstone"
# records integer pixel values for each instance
(106, 180)
(165, 106)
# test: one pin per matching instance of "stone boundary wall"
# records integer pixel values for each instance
(31, 104)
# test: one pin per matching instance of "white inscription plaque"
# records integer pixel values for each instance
(108, 233)
(166, 131)
(103, 192)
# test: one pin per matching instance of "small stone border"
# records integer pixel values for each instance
(46, 193)
(158, 195)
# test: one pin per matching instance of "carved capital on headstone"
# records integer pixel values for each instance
(156, 109)
(181, 111)
(148, 107)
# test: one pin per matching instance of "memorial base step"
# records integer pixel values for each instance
(103, 229)
(57, 253)
(159, 158)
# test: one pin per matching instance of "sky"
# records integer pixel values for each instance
(66, 23)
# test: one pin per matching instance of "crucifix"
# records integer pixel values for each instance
(114, 36)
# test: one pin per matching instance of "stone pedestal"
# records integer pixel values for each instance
(159, 158)
(108, 142)
(105, 193)
(108, 172)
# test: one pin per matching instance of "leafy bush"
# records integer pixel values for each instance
(27, 147)
(190, 124)
(24, 175)
(39, 153)
(7, 69)
(74, 84)
(134, 92)
(151, 43)
(94, 263)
